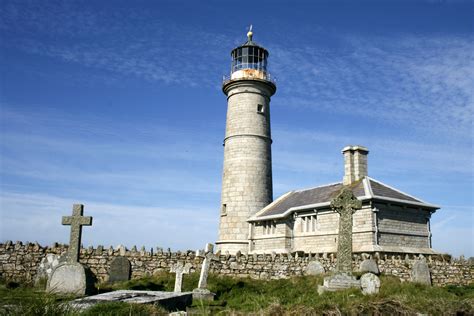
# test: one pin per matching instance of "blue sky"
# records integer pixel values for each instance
(117, 105)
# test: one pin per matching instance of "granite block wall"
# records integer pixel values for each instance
(19, 262)
(403, 226)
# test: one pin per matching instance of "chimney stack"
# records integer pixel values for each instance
(355, 163)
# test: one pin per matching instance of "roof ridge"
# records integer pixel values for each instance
(317, 187)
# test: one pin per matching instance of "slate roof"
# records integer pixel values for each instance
(365, 189)
(379, 189)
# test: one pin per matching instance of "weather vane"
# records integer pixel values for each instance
(250, 33)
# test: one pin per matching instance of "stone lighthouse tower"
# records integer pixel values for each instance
(247, 175)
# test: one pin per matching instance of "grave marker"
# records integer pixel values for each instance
(370, 284)
(314, 268)
(76, 221)
(420, 272)
(71, 277)
(202, 293)
(369, 265)
(179, 269)
(345, 203)
(120, 269)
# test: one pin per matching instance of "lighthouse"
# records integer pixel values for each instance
(247, 172)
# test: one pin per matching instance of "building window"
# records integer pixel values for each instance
(268, 227)
(260, 108)
(308, 224)
(224, 209)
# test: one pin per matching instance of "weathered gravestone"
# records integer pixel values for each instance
(369, 265)
(201, 292)
(72, 277)
(179, 269)
(345, 204)
(420, 272)
(47, 266)
(370, 284)
(314, 268)
(120, 269)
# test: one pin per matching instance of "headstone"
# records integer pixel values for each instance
(179, 269)
(345, 203)
(369, 265)
(370, 284)
(201, 292)
(420, 272)
(70, 277)
(47, 265)
(120, 269)
(314, 268)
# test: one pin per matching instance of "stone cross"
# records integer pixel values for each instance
(345, 203)
(76, 221)
(179, 269)
(208, 256)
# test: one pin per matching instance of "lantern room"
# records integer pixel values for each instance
(249, 61)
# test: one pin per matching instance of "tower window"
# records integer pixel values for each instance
(224, 209)
(260, 108)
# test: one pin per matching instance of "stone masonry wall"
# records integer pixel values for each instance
(19, 262)
(247, 169)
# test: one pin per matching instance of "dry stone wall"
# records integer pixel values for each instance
(20, 262)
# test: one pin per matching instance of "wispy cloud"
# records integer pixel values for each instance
(409, 98)
(155, 54)
(90, 158)
(37, 217)
(411, 82)
(400, 154)
(452, 229)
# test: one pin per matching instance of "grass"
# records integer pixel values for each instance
(295, 296)
(31, 301)
(123, 309)
(20, 300)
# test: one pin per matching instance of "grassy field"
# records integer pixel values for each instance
(295, 296)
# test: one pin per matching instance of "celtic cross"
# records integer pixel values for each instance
(345, 203)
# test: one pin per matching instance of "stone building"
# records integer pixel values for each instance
(247, 175)
(301, 220)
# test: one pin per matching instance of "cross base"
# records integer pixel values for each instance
(203, 294)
